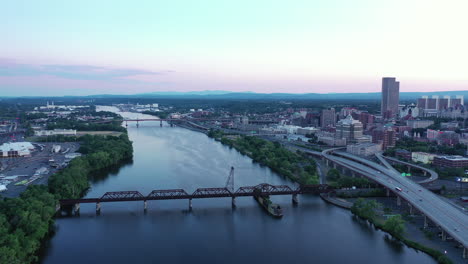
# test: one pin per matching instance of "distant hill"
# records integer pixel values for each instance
(280, 96)
(212, 94)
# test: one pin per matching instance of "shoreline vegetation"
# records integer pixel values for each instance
(295, 166)
(394, 225)
(26, 221)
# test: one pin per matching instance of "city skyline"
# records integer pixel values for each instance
(56, 48)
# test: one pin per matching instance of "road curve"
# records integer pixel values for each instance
(434, 175)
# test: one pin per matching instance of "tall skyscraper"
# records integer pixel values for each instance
(390, 97)
(328, 117)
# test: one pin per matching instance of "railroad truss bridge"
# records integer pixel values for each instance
(263, 189)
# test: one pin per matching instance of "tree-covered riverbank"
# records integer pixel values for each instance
(395, 225)
(295, 166)
(26, 221)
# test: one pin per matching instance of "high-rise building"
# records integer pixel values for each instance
(390, 97)
(349, 128)
(328, 117)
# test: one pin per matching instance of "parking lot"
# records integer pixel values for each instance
(23, 171)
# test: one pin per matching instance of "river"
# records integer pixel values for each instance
(171, 157)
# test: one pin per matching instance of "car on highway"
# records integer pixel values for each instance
(398, 189)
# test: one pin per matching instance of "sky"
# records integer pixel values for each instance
(56, 47)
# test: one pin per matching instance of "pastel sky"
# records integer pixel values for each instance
(57, 47)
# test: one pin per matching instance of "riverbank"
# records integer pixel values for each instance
(26, 222)
(296, 167)
(372, 212)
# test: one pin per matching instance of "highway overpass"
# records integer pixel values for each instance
(450, 219)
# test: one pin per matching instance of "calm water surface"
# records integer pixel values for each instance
(213, 232)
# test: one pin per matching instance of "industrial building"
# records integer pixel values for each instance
(16, 149)
(65, 132)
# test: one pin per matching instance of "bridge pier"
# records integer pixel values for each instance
(98, 208)
(410, 209)
(387, 192)
(294, 199)
(409, 168)
(138, 125)
(233, 202)
(160, 123)
(425, 222)
(465, 253)
(76, 209)
(126, 123)
(398, 200)
(444, 235)
(145, 205)
(190, 204)
(425, 173)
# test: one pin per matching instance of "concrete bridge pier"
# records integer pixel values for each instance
(409, 169)
(126, 123)
(145, 206)
(425, 173)
(444, 235)
(76, 209)
(387, 192)
(295, 200)
(98, 208)
(465, 253)
(398, 201)
(138, 125)
(233, 202)
(160, 123)
(425, 222)
(410, 209)
(190, 204)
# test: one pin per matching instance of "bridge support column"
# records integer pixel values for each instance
(160, 123)
(444, 235)
(233, 202)
(425, 222)
(138, 125)
(409, 169)
(398, 201)
(145, 205)
(126, 123)
(294, 199)
(190, 204)
(76, 208)
(98, 208)
(465, 253)
(326, 162)
(353, 174)
(410, 209)
(425, 173)
(334, 165)
(387, 192)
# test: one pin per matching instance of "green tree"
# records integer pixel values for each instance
(395, 225)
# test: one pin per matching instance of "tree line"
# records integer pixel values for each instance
(26, 221)
(295, 166)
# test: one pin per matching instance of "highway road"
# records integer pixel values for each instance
(434, 175)
(453, 221)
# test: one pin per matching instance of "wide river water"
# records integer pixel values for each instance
(171, 157)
